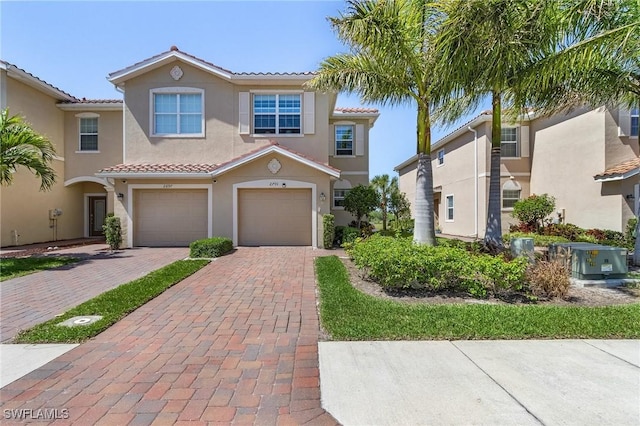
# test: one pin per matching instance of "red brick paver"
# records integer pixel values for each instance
(32, 299)
(235, 343)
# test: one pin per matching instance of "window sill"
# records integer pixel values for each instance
(180, 136)
(86, 151)
(449, 220)
(507, 209)
(337, 208)
(344, 156)
(510, 158)
(439, 165)
(276, 135)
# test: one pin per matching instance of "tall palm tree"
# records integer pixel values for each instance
(385, 188)
(390, 62)
(20, 145)
(486, 45)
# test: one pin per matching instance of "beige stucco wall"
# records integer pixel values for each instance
(407, 183)
(568, 152)
(109, 144)
(342, 217)
(24, 208)
(618, 149)
(222, 141)
(222, 189)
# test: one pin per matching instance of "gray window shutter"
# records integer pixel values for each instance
(359, 139)
(309, 105)
(624, 122)
(244, 113)
(524, 141)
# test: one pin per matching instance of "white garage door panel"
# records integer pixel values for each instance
(170, 218)
(274, 217)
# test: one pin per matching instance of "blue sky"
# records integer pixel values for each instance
(74, 45)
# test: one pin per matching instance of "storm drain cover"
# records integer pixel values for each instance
(80, 321)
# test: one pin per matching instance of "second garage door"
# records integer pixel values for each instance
(169, 218)
(274, 217)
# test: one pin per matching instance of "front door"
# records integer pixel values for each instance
(97, 213)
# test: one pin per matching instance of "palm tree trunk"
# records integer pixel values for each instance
(493, 233)
(424, 228)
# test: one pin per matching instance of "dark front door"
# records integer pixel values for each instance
(97, 213)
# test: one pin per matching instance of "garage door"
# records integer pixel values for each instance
(274, 217)
(169, 218)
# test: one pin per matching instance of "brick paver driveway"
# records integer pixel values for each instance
(234, 343)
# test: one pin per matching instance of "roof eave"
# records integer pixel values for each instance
(153, 175)
(82, 106)
(371, 116)
(30, 80)
(405, 163)
(618, 176)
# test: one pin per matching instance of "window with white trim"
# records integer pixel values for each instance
(177, 112)
(338, 197)
(511, 192)
(277, 114)
(344, 139)
(88, 133)
(509, 146)
(634, 121)
(449, 207)
(441, 157)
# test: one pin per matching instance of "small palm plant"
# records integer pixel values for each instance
(20, 145)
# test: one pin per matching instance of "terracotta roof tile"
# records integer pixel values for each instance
(620, 170)
(38, 79)
(357, 110)
(160, 168)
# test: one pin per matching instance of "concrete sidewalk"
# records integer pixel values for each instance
(569, 382)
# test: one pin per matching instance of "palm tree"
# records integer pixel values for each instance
(390, 62)
(20, 145)
(385, 188)
(486, 45)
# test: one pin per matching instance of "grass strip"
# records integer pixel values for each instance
(112, 305)
(12, 267)
(348, 314)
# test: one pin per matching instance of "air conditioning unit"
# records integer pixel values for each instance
(600, 262)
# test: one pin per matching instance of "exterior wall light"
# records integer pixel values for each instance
(323, 197)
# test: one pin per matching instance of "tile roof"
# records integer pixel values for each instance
(210, 64)
(39, 80)
(620, 170)
(160, 168)
(169, 168)
(357, 110)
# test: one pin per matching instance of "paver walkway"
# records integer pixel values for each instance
(235, 343)
(32, 299)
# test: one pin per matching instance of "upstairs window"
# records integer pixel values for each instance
(509, 146)
(441, 157)
(88, 133)
(634, 121)
(177, 112)
(344, 140)
(277, 114)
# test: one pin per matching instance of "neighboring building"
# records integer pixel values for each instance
(588, 160)
(204, 151)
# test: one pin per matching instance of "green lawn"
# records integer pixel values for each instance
(348, 314)
(12, 267)
(111, 305)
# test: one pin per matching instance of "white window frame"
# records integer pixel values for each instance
(634, 116)
(277, 94)
(440, 155)
(175, 91)
(448, 208)
(353, 139)
(84, 116)
(342, 197)
(510, 142)
(519, 191)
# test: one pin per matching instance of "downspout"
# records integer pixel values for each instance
(124, 127)
(475, 176)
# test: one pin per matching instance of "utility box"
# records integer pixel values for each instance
(564, 250)
(523, 247)
(600, 262)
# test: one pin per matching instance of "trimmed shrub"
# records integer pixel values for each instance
(349, 235)
(112, 231)
(548, 279)
(210, 247)
(399, 263)
(329, 230)
(566, 230)
(534, 209)
(538, 240)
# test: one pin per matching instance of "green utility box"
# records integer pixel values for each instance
(600, 262)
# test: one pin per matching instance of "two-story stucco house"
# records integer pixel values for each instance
(204, 151)
(588, 160)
